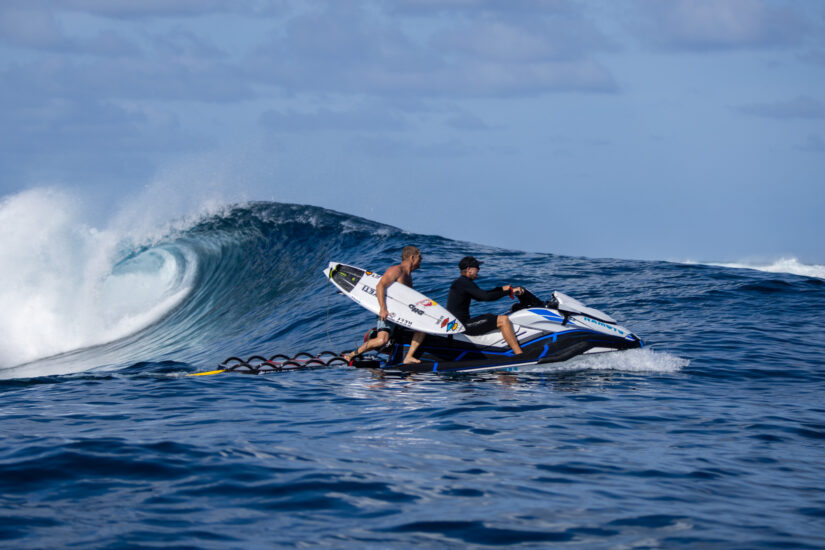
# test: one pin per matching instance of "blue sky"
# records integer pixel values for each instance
(634, 129)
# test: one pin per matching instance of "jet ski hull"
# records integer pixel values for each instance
(451, 355)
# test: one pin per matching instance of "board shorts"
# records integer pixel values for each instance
(481, 324)
(385, 325)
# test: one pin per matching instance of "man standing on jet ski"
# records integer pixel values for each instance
(400, 273)
(464, 289)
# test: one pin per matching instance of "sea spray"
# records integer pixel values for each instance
(69, 285)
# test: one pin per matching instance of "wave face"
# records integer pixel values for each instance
(244, 278)
(720, 411)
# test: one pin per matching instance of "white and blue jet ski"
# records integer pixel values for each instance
(548, 332)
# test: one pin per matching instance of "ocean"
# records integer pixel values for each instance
(712, 436)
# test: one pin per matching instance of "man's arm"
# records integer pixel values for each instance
(486, 295)
(392, 275)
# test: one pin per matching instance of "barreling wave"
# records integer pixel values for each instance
(239, 277)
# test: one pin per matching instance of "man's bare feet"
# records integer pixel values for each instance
(410, 360)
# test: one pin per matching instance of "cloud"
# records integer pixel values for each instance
(803, 107)
(703, 25)
(362, 53)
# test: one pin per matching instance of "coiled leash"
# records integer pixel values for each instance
(258, 364)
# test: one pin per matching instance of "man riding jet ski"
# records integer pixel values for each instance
(547, 332)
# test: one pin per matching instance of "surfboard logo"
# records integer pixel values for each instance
(426, 303)
(416, 310)
(450, 325)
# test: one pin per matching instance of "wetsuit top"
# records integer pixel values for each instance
(462, 290)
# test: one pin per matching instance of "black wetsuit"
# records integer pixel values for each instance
(462, 291)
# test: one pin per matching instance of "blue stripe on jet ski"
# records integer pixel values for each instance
(546, 314)
(435, 366)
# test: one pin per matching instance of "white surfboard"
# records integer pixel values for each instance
(407, 307)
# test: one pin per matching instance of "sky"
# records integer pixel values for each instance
(645, 129)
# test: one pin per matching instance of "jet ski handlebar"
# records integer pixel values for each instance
(560, 302)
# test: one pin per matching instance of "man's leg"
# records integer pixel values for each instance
(379, 341)
(506, 326)
(417, 338)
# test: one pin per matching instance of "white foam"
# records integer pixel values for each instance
(637, 360)
(61, 288)
(784, 265)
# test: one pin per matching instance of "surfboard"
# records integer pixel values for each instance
(407, 307)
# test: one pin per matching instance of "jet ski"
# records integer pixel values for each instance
(548, 332)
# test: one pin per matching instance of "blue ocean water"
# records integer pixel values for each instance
(712, 436)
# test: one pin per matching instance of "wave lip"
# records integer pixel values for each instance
(69, 286)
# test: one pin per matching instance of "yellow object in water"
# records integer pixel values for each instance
(207, 372)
